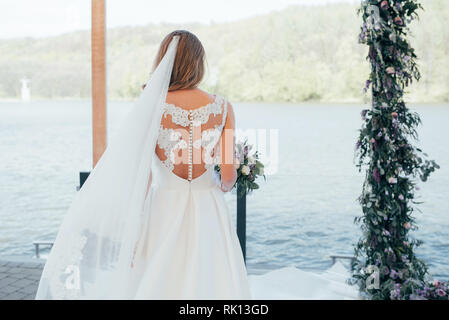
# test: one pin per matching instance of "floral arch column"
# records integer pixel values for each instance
(386, 266)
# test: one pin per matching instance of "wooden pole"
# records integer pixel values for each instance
(98, 80)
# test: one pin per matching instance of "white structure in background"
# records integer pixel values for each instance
(26, 94)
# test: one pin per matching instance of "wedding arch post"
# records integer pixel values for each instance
(98, 54)
(386, 266)
(98, 79)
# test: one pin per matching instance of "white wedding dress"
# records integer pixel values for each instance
(126, 236)
(189, 248)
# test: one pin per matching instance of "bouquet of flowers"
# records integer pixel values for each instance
(248, 168)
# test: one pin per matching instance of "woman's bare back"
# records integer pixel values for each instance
(190, 131)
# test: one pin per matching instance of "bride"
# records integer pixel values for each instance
(151, 221)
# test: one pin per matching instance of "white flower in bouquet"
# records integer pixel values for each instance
(248, 167)
(246, 170)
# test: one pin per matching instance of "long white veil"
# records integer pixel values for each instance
(92, 254)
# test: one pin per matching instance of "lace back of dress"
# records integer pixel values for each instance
(188, 142)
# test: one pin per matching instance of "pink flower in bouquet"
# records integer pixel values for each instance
(384, 4)
(407, 225)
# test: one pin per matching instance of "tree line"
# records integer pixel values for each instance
(302, 53)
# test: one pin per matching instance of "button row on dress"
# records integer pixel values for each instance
(190, 145)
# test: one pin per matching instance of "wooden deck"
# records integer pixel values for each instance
(19, 277)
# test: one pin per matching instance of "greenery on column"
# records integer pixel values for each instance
(393, 164)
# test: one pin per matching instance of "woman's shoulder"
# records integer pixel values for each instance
(219, 98)
(197, 98)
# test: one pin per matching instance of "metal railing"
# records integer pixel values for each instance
(38, 244)
(342, 257)
(241, 225)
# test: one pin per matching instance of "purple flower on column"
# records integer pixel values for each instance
(385, 270)
(395, 123)
(367, 84)
(375, 145)
(373, 242)
(393, 274)
(406, 59)
(363, 114)
(379, 134)
(376, 175)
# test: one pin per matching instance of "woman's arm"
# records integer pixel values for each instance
(227, 143)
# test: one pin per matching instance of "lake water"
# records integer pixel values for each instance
(300, 216)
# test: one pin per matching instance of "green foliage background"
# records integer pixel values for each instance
(295, 55)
